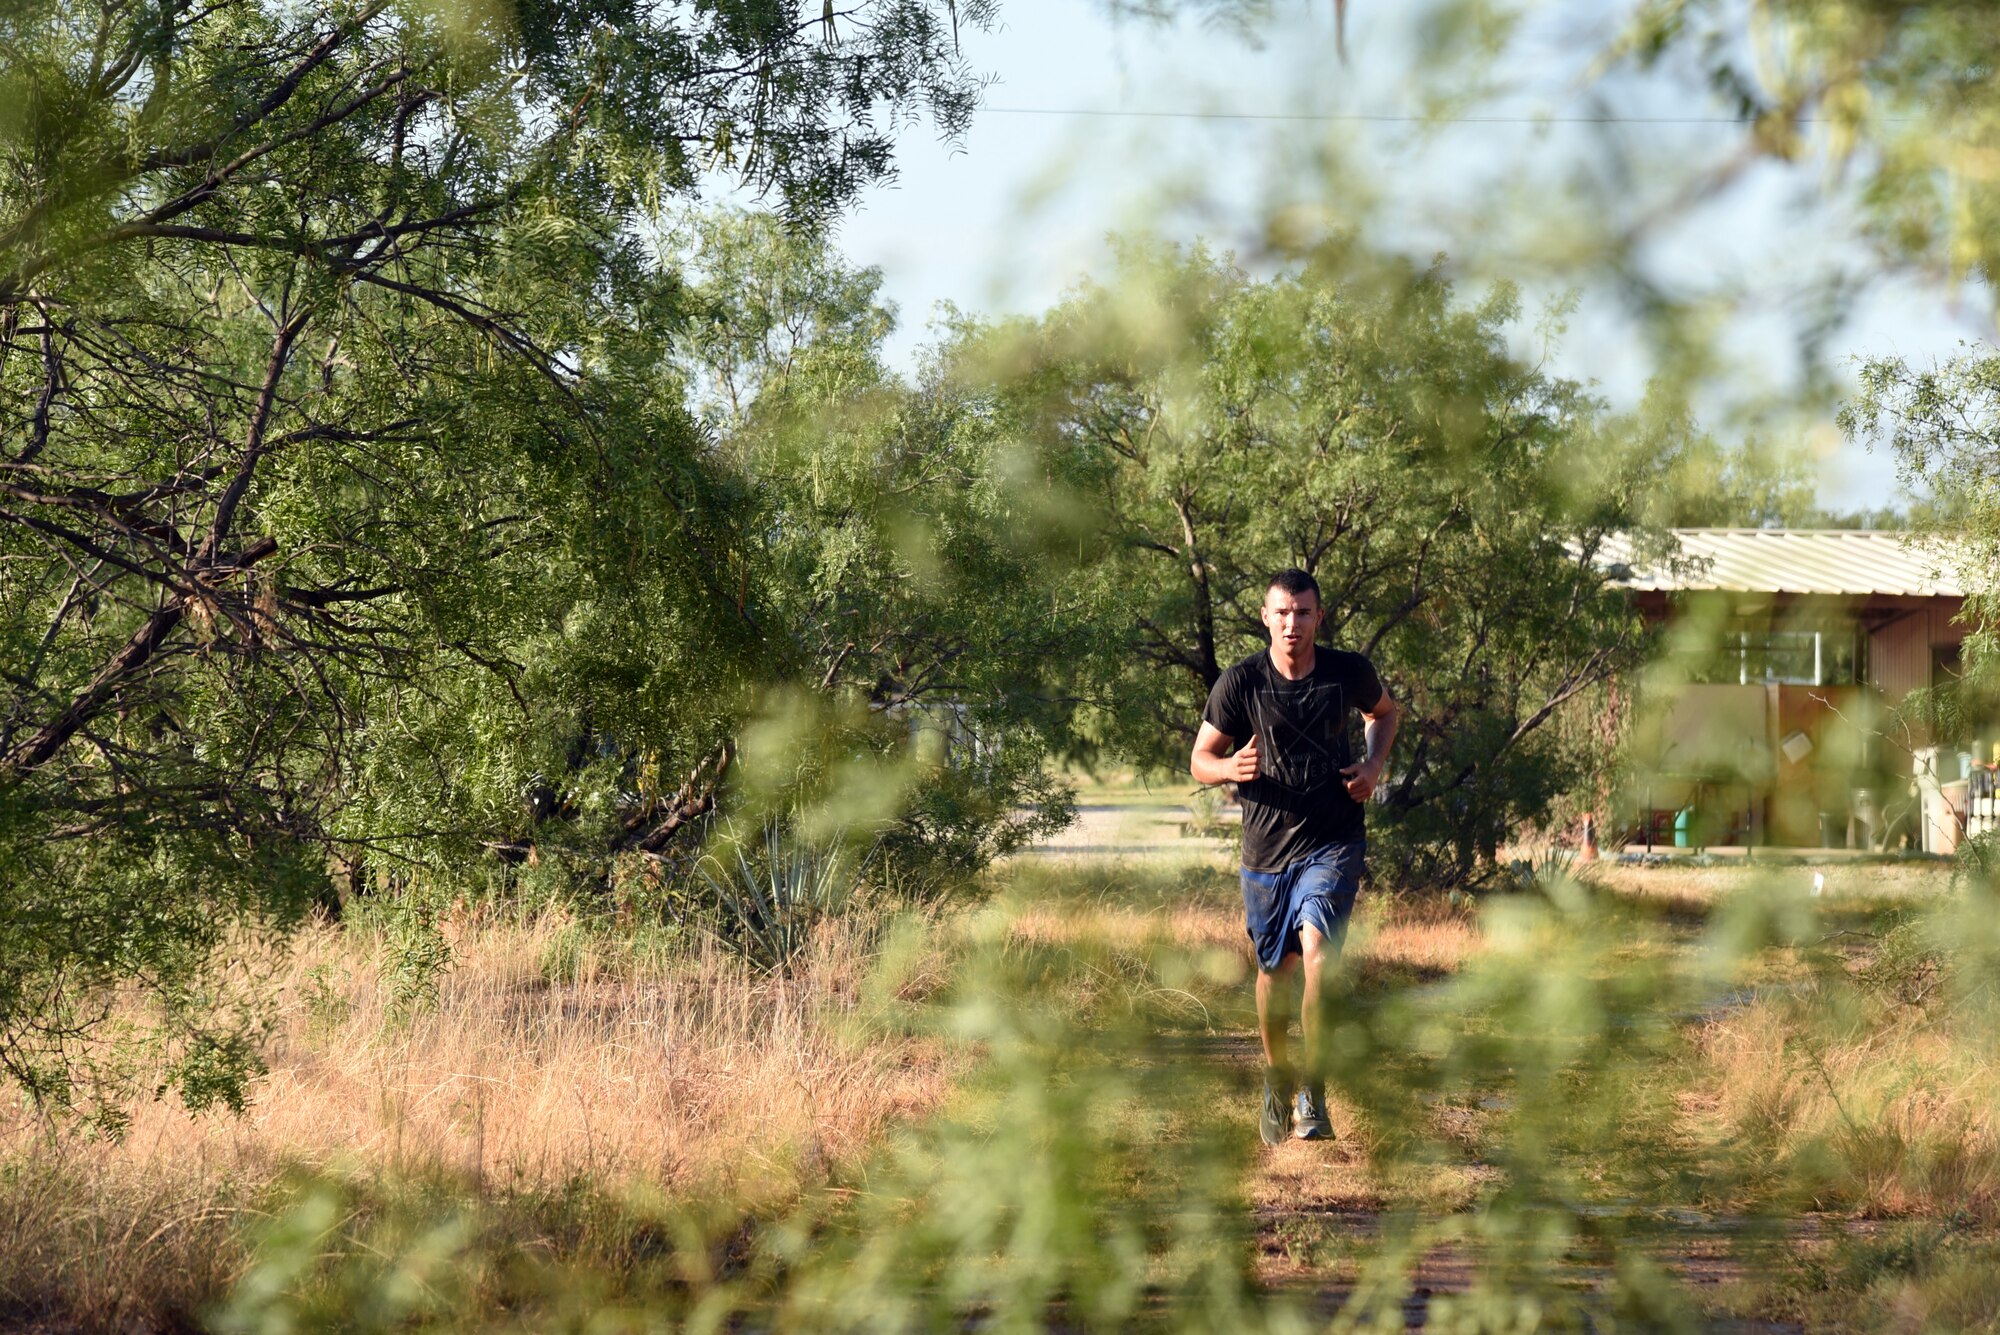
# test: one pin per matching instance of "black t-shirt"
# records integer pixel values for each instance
(1298, 802)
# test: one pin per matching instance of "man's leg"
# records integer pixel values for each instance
(1274, 1003)
(1311, 1121)
(1274, 1014)
(1266, 898)
(1312, 1026)
(1326, 897)
(1326, 901)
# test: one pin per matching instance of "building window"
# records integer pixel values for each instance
(1827, 656)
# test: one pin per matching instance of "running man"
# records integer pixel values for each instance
(1284, 712)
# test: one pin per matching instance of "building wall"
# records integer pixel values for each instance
(1720, 749)
(1899, 653)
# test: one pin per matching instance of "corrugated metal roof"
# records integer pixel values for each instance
(1789, 560)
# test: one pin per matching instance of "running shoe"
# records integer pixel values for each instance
(1313, 1123)
(1275, 1122)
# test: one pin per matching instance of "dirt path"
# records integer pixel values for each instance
(1133, 829)
(1319, 1217)
(1317, 1211)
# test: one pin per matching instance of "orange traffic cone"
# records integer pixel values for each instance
(1589, 853)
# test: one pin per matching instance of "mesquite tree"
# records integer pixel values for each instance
(916, 574)
(1351, 419)
(341, 444)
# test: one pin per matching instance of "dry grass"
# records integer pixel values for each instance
(554, 1056)
(1413, 937)
(1194, 927)
(689, 1074)
(1200, 909)
(89, 1244)
(695, 1074)
(1882, 1100)
(1903, 1111)
(1697, 888)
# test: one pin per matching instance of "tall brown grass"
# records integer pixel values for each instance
(1199, 908)
(550, 1056)
(1892, 1114)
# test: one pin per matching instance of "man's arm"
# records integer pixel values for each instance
(1210, 764)
(1380, 730)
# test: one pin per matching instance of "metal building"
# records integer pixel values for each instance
(1772, 717)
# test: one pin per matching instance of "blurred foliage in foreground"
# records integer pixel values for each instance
(1892, 104)
(526, 622)
(405, 499)
(1606, 1087)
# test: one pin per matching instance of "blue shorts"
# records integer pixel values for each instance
(1317, 891)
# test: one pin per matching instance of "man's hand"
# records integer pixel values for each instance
(1208, 764)
(1243, 765)
(1361, 779)
(1362, 776)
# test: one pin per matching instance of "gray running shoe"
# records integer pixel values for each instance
(1313, 1123)
(1275, 1121)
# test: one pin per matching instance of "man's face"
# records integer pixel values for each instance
(1292, 618)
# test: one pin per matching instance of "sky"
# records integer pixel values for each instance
(1095, 124)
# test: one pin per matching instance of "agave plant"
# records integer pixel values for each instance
(1544, 867)
(772, 892)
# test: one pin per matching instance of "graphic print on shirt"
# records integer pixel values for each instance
(1299, 733)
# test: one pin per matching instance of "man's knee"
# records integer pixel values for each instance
(1287, 966)
(1312, 948)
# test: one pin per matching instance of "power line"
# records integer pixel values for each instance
(1334, 117)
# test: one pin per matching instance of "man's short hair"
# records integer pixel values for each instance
(1294, 582)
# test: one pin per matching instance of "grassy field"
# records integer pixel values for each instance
(1677, 1096)
(554, 1060)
